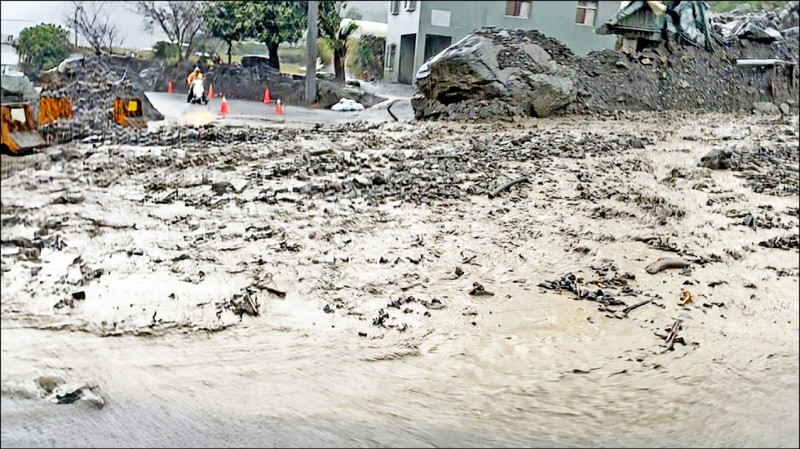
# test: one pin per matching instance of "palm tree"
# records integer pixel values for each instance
(330, 26)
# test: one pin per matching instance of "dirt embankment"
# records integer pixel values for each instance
(684, 77)
(496, 74)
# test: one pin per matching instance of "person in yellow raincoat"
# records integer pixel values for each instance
(196, 74)
(192, 75)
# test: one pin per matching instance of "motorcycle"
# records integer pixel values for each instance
(197, 92)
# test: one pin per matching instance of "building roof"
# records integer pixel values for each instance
(367, 28)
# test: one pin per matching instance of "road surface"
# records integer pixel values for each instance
(175, 109)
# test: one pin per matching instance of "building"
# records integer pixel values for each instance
(366, 28)
(9, 58)
(418, 30)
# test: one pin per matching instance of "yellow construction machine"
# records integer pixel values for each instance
(18, 132)
(128, 112)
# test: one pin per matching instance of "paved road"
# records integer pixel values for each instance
(175, 108)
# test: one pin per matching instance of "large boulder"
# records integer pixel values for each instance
(17, 87)
(518, 67)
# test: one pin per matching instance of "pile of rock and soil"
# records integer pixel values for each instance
(685, 78)
(496, 74)
(92, 86)
(766, 24)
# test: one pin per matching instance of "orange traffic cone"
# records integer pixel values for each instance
(278, 108)
(211, 92)
(170, 87)
(223, 109)
(267, 98)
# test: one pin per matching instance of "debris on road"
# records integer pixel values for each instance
(496, 192)
(782, 242)
(666, 264)
(686, 297)
(479, 290)
(347, 105)
(672, 336)
(633, 307)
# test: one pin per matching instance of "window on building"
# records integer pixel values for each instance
(394, 7)
(391, 50)
(409, 6)
(518, 9)
(587, 10)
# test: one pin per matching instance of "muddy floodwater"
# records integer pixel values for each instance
(366, 284)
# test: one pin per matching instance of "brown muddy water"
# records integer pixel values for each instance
(160, 333)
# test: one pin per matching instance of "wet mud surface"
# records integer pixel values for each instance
(357, 285)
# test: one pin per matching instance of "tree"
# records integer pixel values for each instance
(180, 21)
(92, 21)
(224, 20)
(166, 51)
(275, 22)
(44, 46)
(368, 59)
(330, 26)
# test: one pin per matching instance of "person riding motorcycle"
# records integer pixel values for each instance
(192, 75)
(196, 89)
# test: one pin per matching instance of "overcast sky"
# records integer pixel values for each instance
(129, 22)
(17, 15)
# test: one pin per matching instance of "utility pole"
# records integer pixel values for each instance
(311, 52)
(75, 24)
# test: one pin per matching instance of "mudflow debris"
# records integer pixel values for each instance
(453, 266)
(500, 74)
(92, 87)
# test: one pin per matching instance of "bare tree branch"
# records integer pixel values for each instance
(179, 20)
(93, 22)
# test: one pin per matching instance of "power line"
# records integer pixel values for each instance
(18, 20)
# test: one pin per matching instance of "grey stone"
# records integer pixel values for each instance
(784, 108)
(362, 180)
(48, 384)
(717, 159)
(792, 32)
(766, 107)
(514, 68)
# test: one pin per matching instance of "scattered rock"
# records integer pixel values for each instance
(479, 290)
(48, 384)
(717, 159)
(782, 242)
(381, 318)
(766, 107)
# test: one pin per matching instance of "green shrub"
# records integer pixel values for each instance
(325, 50)
(368, 57)
(166, 51)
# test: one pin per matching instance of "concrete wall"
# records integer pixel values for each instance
(405, 22)
(553, 18)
